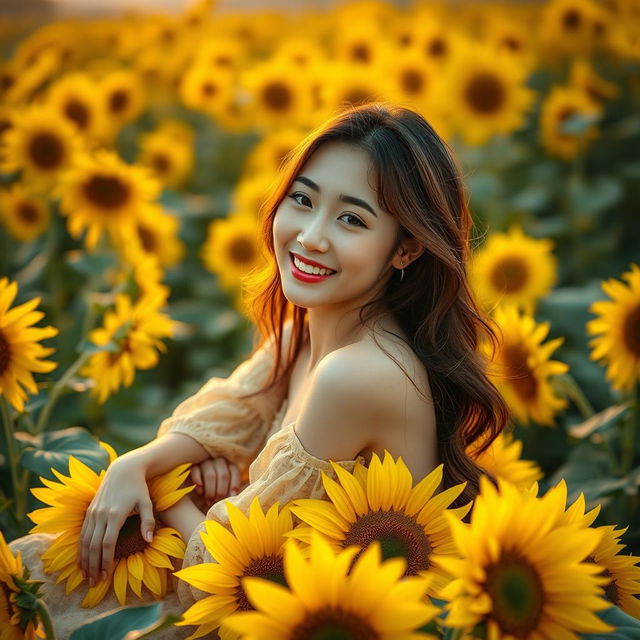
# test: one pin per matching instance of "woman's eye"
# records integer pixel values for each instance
(357, 222)
(296, 195)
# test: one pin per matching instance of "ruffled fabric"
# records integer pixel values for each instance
(222, 422)
(283, 471)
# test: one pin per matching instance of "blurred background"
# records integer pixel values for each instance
(137, 141)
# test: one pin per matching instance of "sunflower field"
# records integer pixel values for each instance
(135, 151)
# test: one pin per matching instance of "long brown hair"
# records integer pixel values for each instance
(419, 183)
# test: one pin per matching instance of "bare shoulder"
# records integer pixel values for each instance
(357, 399)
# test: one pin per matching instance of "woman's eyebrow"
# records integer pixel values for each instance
(349, 199)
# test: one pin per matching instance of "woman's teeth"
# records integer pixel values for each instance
(308, 269)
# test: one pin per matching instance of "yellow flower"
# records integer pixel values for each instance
(502, 459)
(16, 622)
(326, 599)
(364, 44)
(266, 156)
(102, 193)
(136, 561)
(231, 249)
(485, 94)
(221, 52)
(252, 548)
(583, 77)
(513, 268)
(122, 97)
(170, 161)
(618, 326)
(21, 354)
(561, 104)
(206, 89)
(520, 571)
(277, 97)
(510, 36)
(41, 143)
(250, 193)
(76, 98)
(381, 504)
(521, 367)
(25, 215)
(136, 329)
(435, 38)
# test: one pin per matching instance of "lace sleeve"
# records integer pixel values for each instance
(222, 422)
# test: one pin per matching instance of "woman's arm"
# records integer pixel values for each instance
(183, 516)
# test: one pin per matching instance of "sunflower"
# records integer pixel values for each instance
(25, 215)
(231, 249)
(136, 329)
(414, 80)
(513, 268)
(40, 142)
(512, 37)
(362, 44)
(519, 571)
(521, 368)
(266, 157)
(583, 77)
(21, 354)
(617, 328)
(102, 193)
(437, 41)
(170, 159)
(380, 504)
(250, 193)
(219, 53)
(123, 98)
(277, 98)
(206, 89)
(327, 599)
(502, 459)
(75, 96)
(301, 50)
(252, 548)
(17, 621)
(136, 561)
(486, 94)
(567, 27)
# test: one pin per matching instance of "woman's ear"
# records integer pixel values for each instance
(409, 250)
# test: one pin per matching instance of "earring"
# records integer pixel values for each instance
(402, 272)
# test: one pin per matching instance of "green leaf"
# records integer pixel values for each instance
(595, 196)
(627, 627)
(125, 623)
(90, 264)
(53, 448)
(578, 123)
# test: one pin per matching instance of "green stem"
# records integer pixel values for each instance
(12, 453)
(45, 617)
(574, 392)
(629, 433)
(56, 390)
(457, 634)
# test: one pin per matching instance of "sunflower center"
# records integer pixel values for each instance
(631, 331)
(610, 589)
(241, 250)
(357, 96)
(398, 534)
(208, 89)
(517, 594)
(571, 19)
(333, 624)
(511, 43)
(161, 163)
(130, 539)
(413, 81)
(510, 275)
(277, 96)
(78, 112)
(5, 353)
(485, 93)
(519, 372)
(46, 150)
(147, 238)
(437, 48)
(361, 52)
(266, 567)
(106, 192)
(27, 213)
(118, 101)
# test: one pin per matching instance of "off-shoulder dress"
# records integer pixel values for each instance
(246, 431)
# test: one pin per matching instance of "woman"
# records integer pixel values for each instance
(371, 335)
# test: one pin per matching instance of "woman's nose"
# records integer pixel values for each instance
(313, 237)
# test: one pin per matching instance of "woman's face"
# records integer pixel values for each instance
(353, 239)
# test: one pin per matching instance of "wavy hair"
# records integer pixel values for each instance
(418, 182)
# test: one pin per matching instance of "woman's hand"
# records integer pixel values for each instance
(215, 479)
(123, 492)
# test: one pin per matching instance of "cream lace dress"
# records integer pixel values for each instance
(248, 432)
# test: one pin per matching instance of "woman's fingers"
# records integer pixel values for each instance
(109, 545)
(95, 551)
(235, 479)
(223, 477)
(209, 479)
(196, 478)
